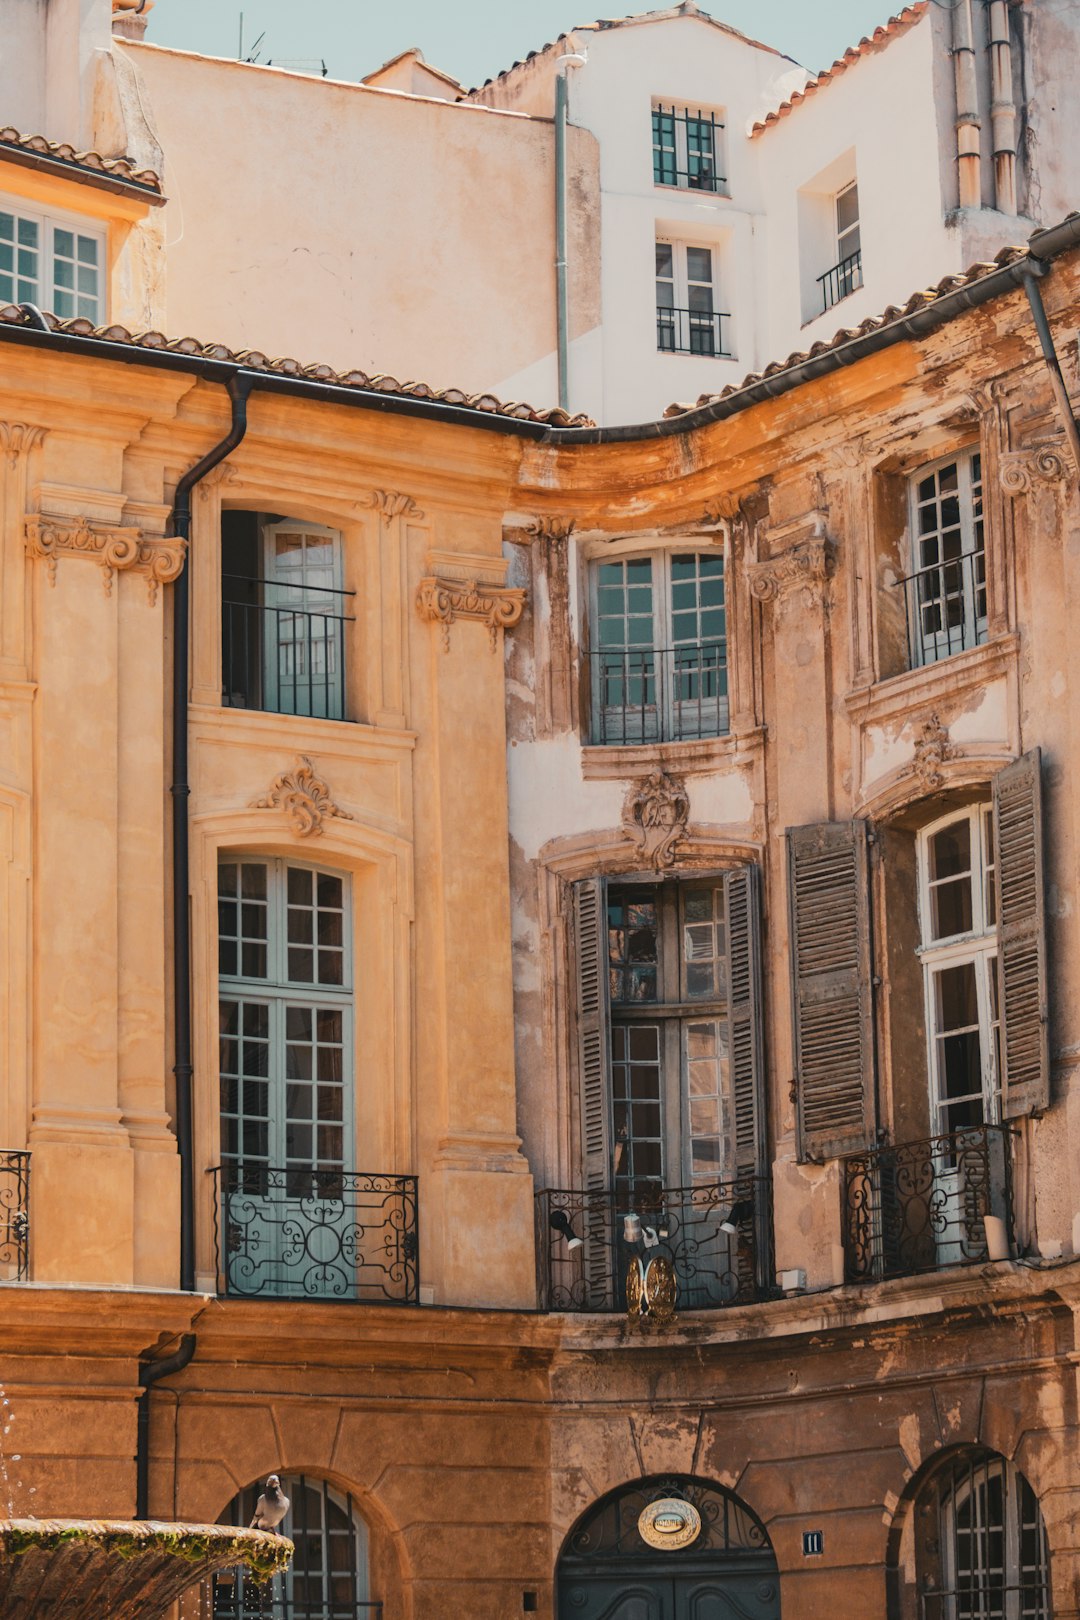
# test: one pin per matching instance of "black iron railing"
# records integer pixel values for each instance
(988, 1600)
(316, 1234)
(686, 147)
(692, 331)
(241, 1598)
(659, 694)
(923, 1206)
(14, 1216)
(278, 655)
(717, 1237)
(842, 279)
(945, 603)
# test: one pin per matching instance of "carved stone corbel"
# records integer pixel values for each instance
(303, 796)
(390, 504)
(553, 530)
(1038, 465)
(114, 549)
(18, 439)
(441, 601)
(655, 816)
(809, 564)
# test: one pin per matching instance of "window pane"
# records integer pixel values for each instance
(699, 264)
(664, 261)
(633, 945)
(847, 208)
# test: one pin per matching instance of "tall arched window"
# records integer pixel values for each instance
(328, 1576)
(981, 1550)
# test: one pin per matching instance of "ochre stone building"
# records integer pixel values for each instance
(468, 877)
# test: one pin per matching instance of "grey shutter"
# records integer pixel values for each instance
(1021, 924)
(742, 904)
(833, 1013)
(594, 1060)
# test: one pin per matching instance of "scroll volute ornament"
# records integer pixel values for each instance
(441, 601)
(655, 817)
(304, 797)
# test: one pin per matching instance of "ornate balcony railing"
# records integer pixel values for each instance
(282, 654)
(309, 1233)
(945, 604)
(659, 694)
(842, 279)
(691, 331)
(14, 1216)
(716, 1236)
(922, 1206)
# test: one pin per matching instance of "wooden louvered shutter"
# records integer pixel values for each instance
(594, 1063)
(1021, 924)
(742, 903)
(829, 920)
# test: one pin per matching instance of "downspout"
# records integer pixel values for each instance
(562, 296)
(968, 139)
(1034, 270)
(1002, 109)
(239, 386)
(149, 1374)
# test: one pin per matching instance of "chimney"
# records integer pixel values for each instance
(130, 18)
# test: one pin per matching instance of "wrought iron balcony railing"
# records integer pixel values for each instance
(309, 1233)
(717, 1237)
(659, 694)
(844, 278)
(945, 604)
(922, 1206)
(242, 1598)
(988, 1599)
(280, 654)
(685, 149)
(692, 331)
(14, 1216)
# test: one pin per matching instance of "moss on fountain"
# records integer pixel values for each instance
(78, 1569)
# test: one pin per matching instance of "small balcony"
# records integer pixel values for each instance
(842, 280)
(14, 1216)
(925, 1206)
(716, 1236)
(659, 694)
(316, 1234)
(945, 604)
(281, 654)
(686, 148)
(692, 331)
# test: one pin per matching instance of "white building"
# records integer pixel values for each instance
(723, 208)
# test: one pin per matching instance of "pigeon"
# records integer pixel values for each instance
(271, 1507)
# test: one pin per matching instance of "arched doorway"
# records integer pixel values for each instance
(328, 1576)
(668, 1548)
(969, 1543)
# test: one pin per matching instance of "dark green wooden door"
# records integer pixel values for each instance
(731, 1594)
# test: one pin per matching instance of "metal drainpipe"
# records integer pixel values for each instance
(1032, 276)
(149, 1374)
(239, 386)
(1002, 109)
(968, 139)
(562, 311)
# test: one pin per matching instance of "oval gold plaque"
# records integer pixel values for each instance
(669, 1524)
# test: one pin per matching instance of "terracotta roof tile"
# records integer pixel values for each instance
(117, 168)
(256, 360)
(867, 46)
(873, 323)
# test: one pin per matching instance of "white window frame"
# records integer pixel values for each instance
(661, 558)
(931, 647)
(977, 946)
(682, 325)
(845, 250)
(48, 223)
(308, 600)
(681, 111)
(277, 992)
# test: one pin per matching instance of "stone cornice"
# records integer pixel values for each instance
(113, 548)
(441, 601)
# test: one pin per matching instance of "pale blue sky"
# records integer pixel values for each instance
(474, 39)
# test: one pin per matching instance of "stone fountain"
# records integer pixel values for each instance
(98, 1569)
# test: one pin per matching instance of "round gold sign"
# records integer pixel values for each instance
(669, 1524)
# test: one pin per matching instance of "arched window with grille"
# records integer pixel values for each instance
(328, 1576)
(980, 1548)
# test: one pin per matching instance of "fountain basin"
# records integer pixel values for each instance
(86, 1569)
